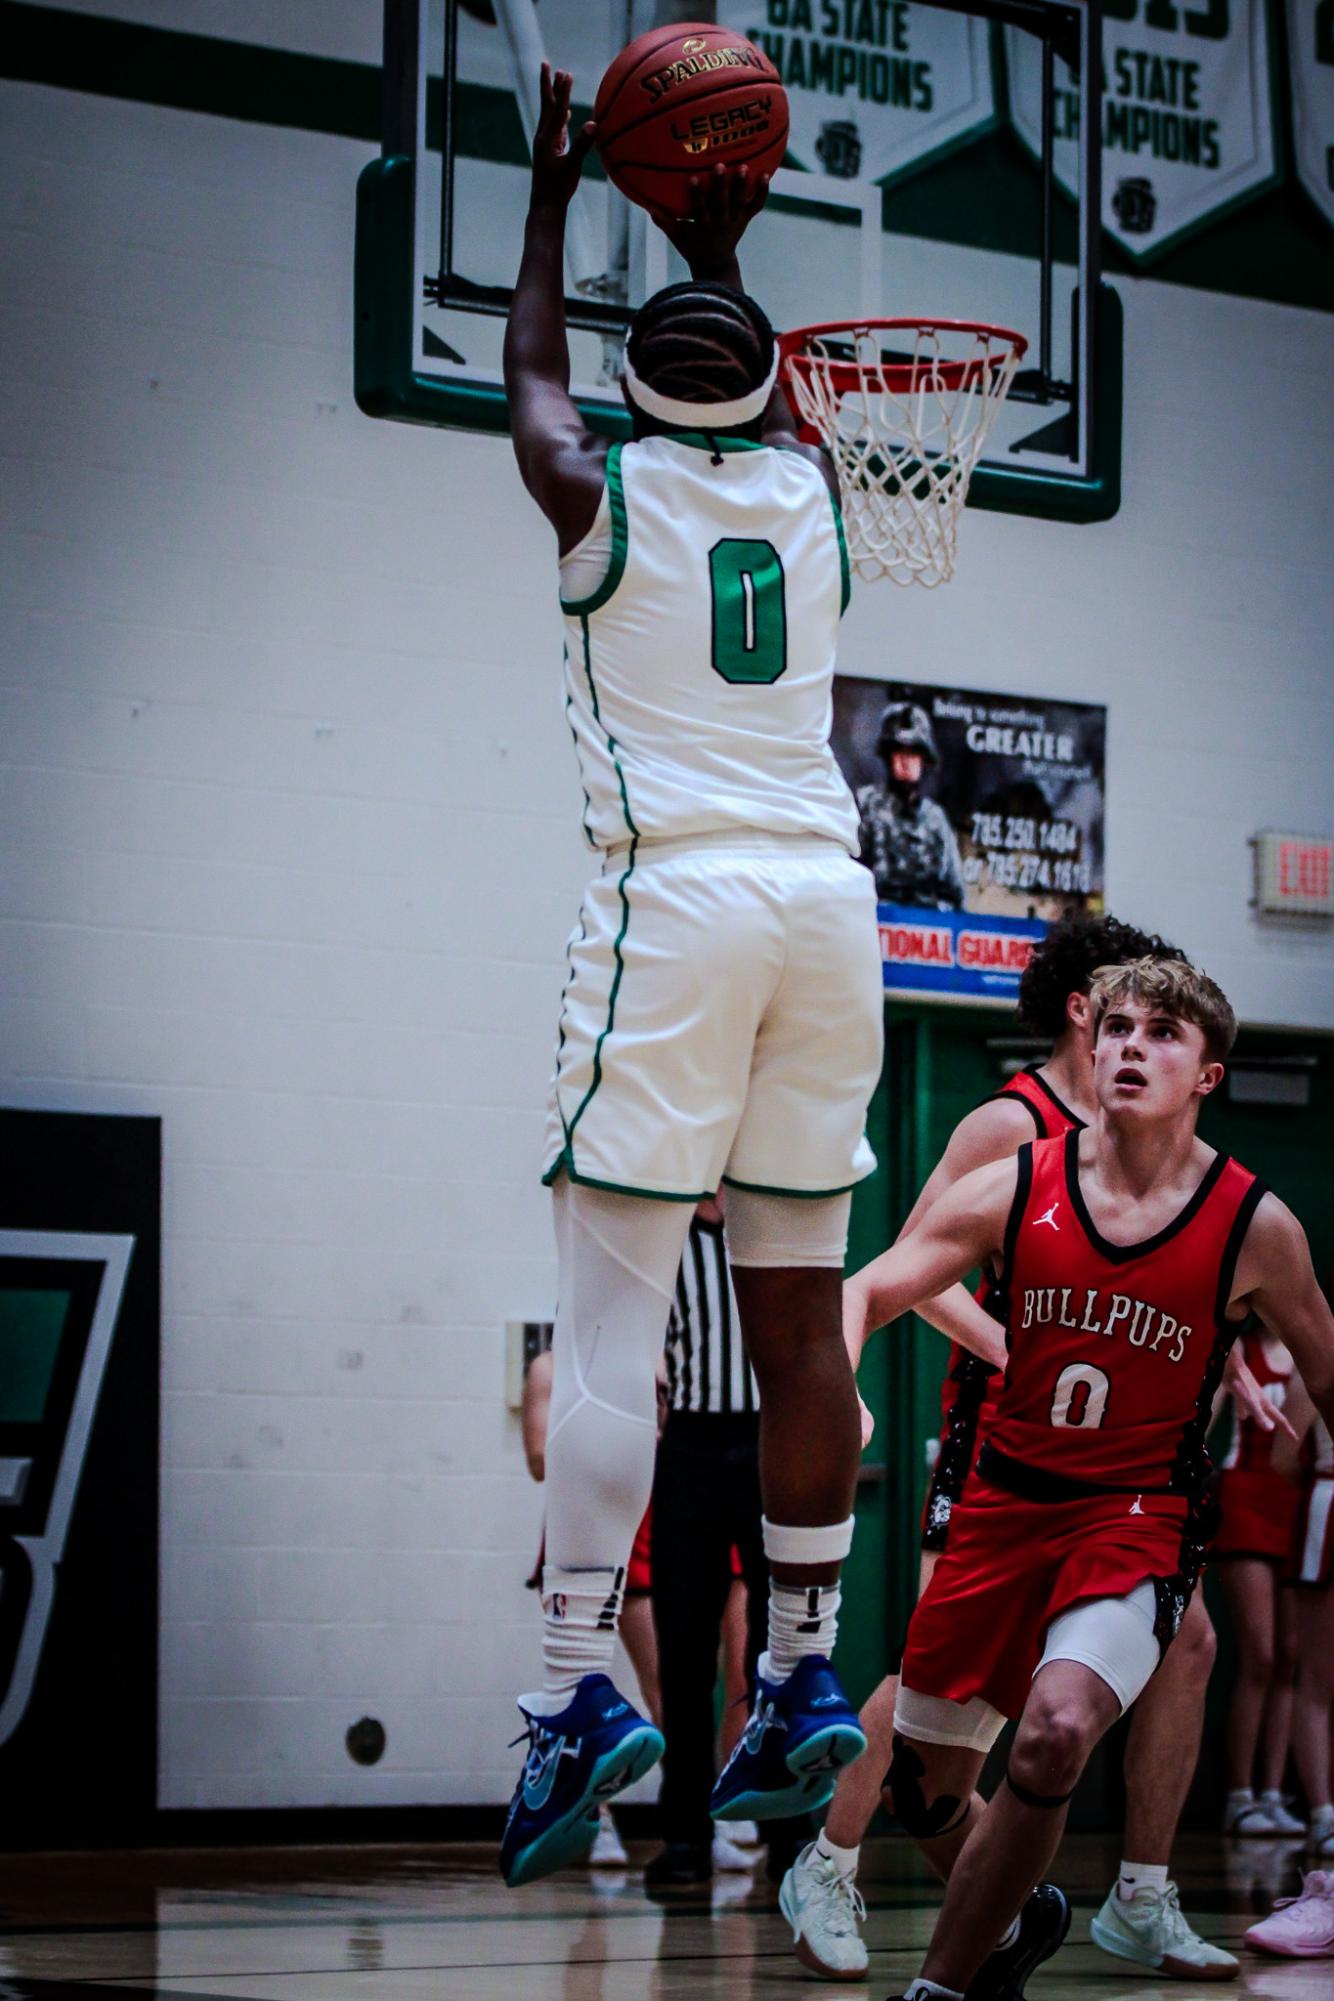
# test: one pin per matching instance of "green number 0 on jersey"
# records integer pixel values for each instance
(749, 611)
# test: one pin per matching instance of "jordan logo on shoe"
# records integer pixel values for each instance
(616, 1709)
(824, 1701)
(1049, 1219)
(1136, 1509)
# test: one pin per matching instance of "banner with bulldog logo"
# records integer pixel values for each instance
(875, 87)
(1187, 114)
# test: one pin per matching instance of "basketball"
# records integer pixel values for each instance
(677, 100)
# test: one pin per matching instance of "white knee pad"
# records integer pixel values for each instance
(618, 1258)
(1113, 1636)
(785, 1231)
(933, 1719)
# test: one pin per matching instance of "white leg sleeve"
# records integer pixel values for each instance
(783, 1231)
(618, 1259)
(1113, 1636)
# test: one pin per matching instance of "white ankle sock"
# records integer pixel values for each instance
(803, 1618)
(929, 1990)
(1140, 1876)
(844, 1859)
(1240, 1796)
(580, 1609)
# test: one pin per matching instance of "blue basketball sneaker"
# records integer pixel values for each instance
(801, 1733)
(595, 1746)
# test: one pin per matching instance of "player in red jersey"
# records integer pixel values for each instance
(1258, 1506)
(819, 1897)
(1127, 1256)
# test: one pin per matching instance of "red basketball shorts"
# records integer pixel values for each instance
(1012, 1566)
(1259, 1508)
(639, 1575)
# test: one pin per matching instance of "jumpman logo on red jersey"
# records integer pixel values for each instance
(1049, 1219)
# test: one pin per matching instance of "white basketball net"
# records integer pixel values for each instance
(904, 408)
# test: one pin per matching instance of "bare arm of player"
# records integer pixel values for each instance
(1251, 1401)
(535, 1412)
(964, 1228)
(561, 461)
(1276, 1278)
(1285, 1458)
(993, 1131)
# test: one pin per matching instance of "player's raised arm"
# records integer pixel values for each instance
(963, 1229)
(1275, 1277)
(559, 457)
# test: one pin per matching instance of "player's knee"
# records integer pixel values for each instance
(1051, 1748)
(1257, 1663)
(1197, 1644)
(1286, 1660)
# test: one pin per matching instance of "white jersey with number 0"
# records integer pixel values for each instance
(699, 674)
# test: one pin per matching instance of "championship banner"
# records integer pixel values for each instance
(1311, 55)
(1187, 114)
(981, 820)
(874, 87)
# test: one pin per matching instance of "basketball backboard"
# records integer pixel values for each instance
(908, 188)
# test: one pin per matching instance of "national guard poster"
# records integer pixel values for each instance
(981, 817)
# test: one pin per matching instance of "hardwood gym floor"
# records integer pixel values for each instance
(436, 1924)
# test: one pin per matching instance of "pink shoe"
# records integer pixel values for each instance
(1300, 1927)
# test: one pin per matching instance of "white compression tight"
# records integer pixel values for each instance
(617, 1259)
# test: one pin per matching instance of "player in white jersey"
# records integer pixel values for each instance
(721, 1018)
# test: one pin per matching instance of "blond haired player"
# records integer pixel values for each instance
(1141, 1919)
(1128, 1256)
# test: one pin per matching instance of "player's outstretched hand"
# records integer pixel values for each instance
(1250, 1399)
(558, 159)
(723, 204)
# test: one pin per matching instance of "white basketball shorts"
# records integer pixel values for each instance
(722, 1020)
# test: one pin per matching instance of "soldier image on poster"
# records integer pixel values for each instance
(975, 804)
(907, 840)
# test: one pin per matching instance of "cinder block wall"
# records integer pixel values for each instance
(290, 853)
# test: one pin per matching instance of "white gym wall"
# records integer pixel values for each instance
(289, 817)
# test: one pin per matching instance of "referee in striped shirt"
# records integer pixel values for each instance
(706, 1502)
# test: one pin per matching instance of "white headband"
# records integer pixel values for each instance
(699, 416)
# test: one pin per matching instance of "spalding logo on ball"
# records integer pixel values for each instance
(679, 99)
